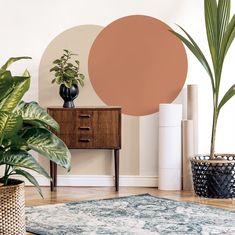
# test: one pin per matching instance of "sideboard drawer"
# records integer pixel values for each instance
(68, 128)
(106, 129)
(89, 127)
(62, 115)
(85, 142)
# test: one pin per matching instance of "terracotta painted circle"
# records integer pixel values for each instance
(135, 62)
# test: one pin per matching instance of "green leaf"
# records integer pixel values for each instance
(67, 51)
(194, 48)
(28, 125)
(231, 36)
(57, 61)
(21, 158)
(6, 84)
(49, 145)
(58, 80)
(81, 76)
(69, 74)
(21, 86)
(69, 64)
(10, 124)
(12, 60)
(53, 81)
(55, 68)
(210, 7)
(68, 83)
(32, 112)
(223, 13)
(228, 95)
(30, 178)
(75, 81)
(57, 74)
(81, 82)
(25, 74)
(227, 39)
(16, 142)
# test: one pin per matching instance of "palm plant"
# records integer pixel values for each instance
(23, 127)
(220, 35)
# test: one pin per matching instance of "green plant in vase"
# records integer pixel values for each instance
(23, 127)
(220, 27)
(67, 75)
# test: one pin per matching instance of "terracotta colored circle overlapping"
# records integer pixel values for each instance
(137, 63)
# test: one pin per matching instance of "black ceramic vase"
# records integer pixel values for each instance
(68, 95)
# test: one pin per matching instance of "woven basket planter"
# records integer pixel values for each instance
(214, 178)
(12, 202)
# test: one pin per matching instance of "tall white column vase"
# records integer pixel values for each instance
(192, 112)
(188, 153)
(170, 159)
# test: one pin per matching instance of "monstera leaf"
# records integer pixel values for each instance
(21, 86)
(9, 124)
(32, 113)
(49, 145)
(20, 158)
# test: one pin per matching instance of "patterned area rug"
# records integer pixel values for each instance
(140, 214)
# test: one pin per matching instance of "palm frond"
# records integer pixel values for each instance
(194, 48)
(211, 28)
(223, 13)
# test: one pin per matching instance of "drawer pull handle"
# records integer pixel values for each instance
(85, 128)
(84, 115)
(85, 140)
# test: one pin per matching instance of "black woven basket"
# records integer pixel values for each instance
(214, 178)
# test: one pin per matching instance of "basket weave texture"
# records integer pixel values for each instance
(12, 212)
(214, 178)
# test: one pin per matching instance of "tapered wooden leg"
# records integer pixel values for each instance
(116, 162)
(52, 175)
(55, 175)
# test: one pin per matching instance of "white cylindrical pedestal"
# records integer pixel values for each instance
(188, 153)
(170, 116)
(192, 112)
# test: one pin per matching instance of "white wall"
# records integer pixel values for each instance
(28, 26)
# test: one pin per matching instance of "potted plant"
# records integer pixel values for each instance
(213, 174)
(23, 127)
(68, 77)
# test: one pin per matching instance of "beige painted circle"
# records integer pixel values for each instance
(135, 62)
(79, 40)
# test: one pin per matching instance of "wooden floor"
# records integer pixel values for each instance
(69, 194)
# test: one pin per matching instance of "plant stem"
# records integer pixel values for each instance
(214, 126)
(6, 175)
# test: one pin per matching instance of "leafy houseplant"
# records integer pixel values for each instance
(23, 127)
(68, 77)
(217, 179)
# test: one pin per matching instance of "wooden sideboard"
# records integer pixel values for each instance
(88, 128)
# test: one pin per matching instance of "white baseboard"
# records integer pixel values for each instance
(99, 180)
